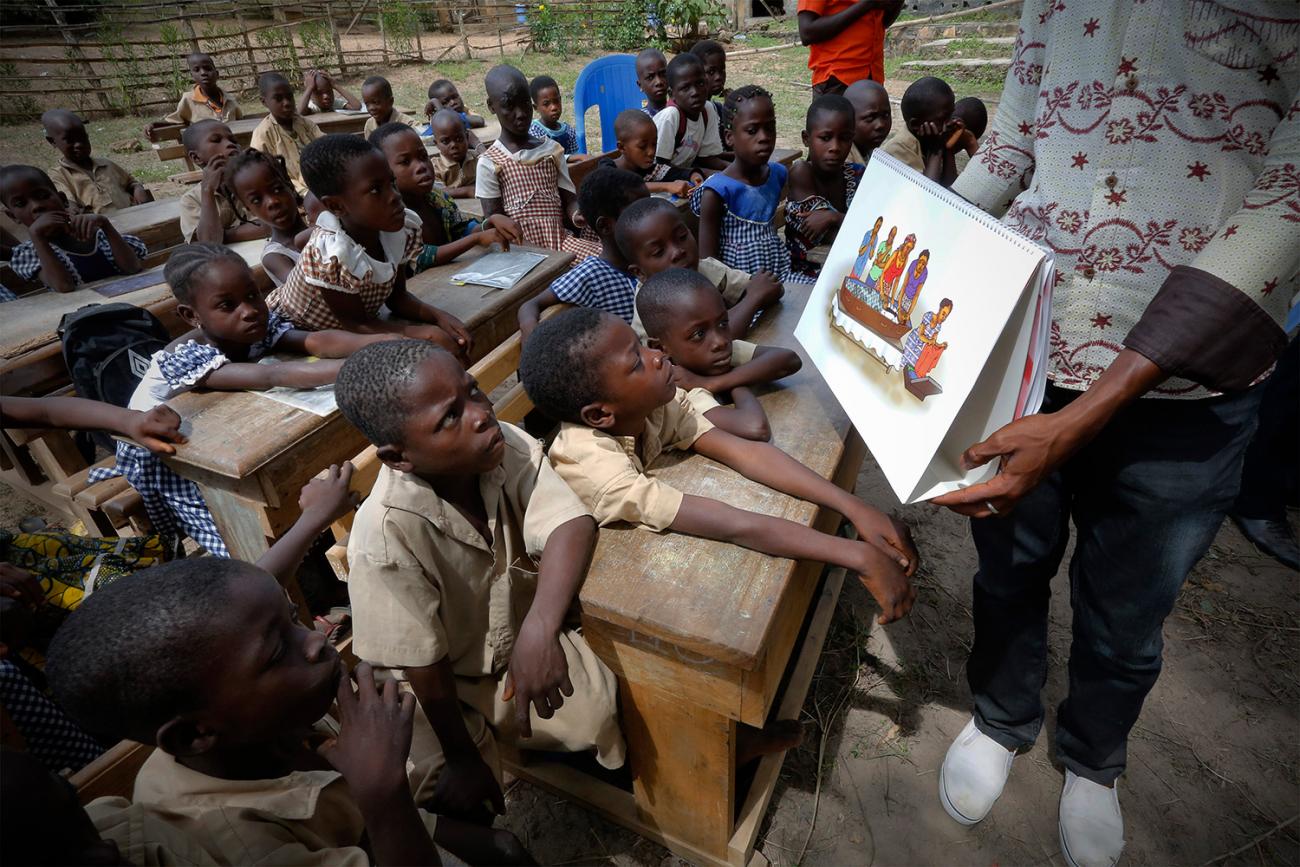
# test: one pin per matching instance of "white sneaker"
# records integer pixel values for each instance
(1091, 827)
(973, 774)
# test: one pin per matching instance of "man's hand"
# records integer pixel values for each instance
(466, 789)
(508, 231)
(22, 585)
(538, 674)
(327, 498)
(374, 735)
(1031, 448)
(156, 429)
(212, 173)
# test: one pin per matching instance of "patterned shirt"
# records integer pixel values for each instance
(84, 267)
(271, 138)
(106, 187)
(1135, 137)
(566, 135)
(596, 282)
(195, 105)
(452, 174)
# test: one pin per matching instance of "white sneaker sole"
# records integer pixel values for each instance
(957, 815)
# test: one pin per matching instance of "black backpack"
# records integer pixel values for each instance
(107, 348)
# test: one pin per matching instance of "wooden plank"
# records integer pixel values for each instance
(111, 774)
(328, 121)
(157, 223)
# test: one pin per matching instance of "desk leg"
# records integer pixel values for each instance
(683, 762)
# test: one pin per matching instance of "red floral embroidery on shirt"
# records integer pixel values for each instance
(1194, 238)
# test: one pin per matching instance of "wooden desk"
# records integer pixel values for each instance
(251, 455)
(169, 137)
(157, 223)
(785, 156)
(700, 632)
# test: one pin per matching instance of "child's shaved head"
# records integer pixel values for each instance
(664, 294)
(559, 367)
(446, 120)
(973, 114)
(58, 120)
(630, 122)
(926, 99)
(373, 385)
(505, 82)
(268, 80)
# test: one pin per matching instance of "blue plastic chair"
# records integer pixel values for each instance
(608, 83)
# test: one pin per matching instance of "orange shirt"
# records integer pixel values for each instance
(857, 52)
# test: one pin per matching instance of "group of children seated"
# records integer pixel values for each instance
(466, 557)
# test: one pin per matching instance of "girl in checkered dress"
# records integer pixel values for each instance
(526, 178)
(232, 330)
(736, 205)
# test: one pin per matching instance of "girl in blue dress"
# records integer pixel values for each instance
(736, 205)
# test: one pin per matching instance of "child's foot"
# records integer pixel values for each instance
(775, 737)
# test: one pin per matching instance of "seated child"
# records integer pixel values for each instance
(927, 125)
(714, 57)
(527, 178)
(689, 127)
(822, 186)
(92, 185)
(377, 94)
(354, 263)
(209, 213)
(456, 165)
(283, 132)
(64, 250)
(318, 93)
(620, 410)
(259, 182)
(653, 237)
(973, 116)
(467, 528)
(601, 281)
(637, 139)
(736, 205)
(652, 79)
(443, 94)
(873, 115)
(206, 101)
(548, 104)
(685, 316)
(445, 231)
(231, 330)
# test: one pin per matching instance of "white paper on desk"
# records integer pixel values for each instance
(499, 270)
(317, 401)
(918, 405)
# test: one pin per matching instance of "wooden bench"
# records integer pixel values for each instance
(112, 774)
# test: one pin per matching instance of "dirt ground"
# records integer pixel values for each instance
(1213, 764)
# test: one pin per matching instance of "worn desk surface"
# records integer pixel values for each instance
(251, 455)
(157, 223)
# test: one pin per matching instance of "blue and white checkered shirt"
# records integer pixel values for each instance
(84, 268)
(595, 282)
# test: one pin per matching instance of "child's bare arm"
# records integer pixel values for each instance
(466, 786)
(765, 463)
(259, 377)
(350, 101)
(769, 364)
(745, 418)
(539, 673)
(308, 91)
(711, 209)
(716, 163)
(87, 225)
(278, 264)
(530, 313)
(763, 290)
(467, 192)
(406, 305)
(712, 519)
(491, 206)
(156, 429)
(572, 215)
(323, 501)
(370, 752)
(331, 343)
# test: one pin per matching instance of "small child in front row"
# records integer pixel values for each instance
(602, 281)
(64, 251)
(354, 263)
(549, 105)
(377, 96)
(690, 129)
(653, 237)
(456, 165)
(463, 562)
(445, 231)
(283, 132)
(620, 409)
(736, 206)
(821, 186)
(92, 185)
(210, 214)
(684, 315)
(231, 329)
(637, 139)
(973, 115)
(527, 178)
(260, 183)
(922, 142)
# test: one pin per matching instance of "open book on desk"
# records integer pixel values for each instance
(929, 322)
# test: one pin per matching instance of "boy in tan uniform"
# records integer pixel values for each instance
(92, 185)
(283, 132)
(445, 594)
(207, 100)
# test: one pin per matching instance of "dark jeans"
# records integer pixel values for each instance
(1269, 480)
(1147, 497)
(830, 85)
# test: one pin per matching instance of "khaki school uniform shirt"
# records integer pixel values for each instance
(394, 116)
(902, 145)
(451, 174)
(304, 818)
(271, 138)
(701, 399)
(426, 585)
(608, 474)
(194, 106)
(106, 187)
(145, 838)
(192, 210)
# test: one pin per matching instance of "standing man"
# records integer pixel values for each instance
(846, 40)
(1155, 149)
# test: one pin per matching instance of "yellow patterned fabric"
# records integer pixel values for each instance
(70, 566)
